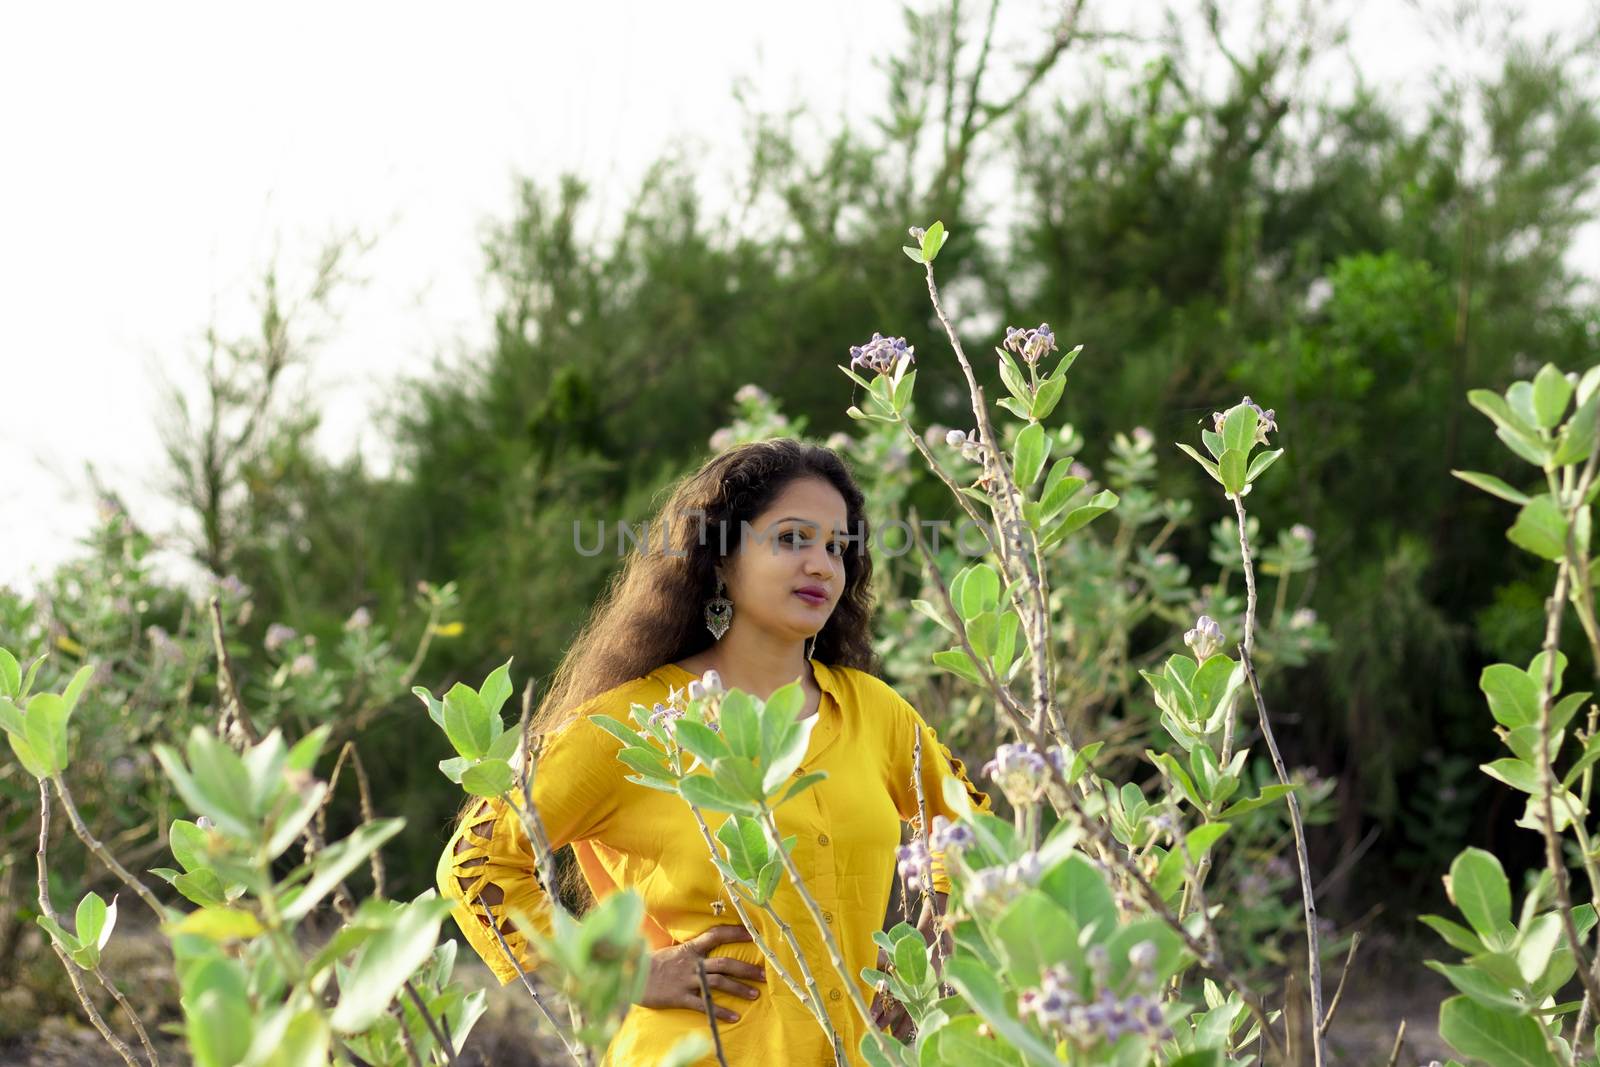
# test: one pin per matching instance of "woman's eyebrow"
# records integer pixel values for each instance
(808, 522)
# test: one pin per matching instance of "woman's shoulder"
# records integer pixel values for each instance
(865, 688)
(646, 689)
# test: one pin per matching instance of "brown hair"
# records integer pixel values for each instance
(652, 610)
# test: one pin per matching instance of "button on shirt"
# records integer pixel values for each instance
(627, 835)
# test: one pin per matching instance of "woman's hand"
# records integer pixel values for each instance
(888, 1013)
(674, 979)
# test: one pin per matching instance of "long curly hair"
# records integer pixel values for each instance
(652, 610)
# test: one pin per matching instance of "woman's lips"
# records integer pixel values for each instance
(812, 599)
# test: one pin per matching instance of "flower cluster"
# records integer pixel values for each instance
(915, 865)
(1022, 771)
(664, 714)
(1058, 1008)
(1205, 639)
(950, 837)
(881, 354)
(359, 619)
(1031, 345)
(993, 888)
(1266, 421)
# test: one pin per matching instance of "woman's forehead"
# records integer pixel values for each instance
(809, 501)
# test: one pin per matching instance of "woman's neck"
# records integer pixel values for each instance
(755, 664)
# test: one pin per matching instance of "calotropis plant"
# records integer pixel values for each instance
(256, 986)
(1519, 963)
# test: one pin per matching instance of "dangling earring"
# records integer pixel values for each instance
(719, 612)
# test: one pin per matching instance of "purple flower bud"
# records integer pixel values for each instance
(750, 394)
(278, 635)
(950, 836)
(359, 619)
(1302, 618)
(711, 682)
(697, 690)
(1301, 532)
(303, 665)
(1020, 772)
(1205, 639)
(722, 439)
(1143, 438)
(915, 865)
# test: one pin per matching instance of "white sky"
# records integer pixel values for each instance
(158, 154)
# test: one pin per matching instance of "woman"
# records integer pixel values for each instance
(767, 581)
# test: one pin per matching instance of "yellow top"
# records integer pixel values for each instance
(625, 834)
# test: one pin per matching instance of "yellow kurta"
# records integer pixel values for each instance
(627, 835)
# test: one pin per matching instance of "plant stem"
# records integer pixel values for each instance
(101, 853)
(711, 1013)
(45, 908)
(1307, 891)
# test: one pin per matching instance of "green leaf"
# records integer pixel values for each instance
(496, 688)
(1079, 517)
(1232, 468)
(983, 991)
(29, 759)
(1077, 886)
(1513, 695)
(958, 662)
(1259, 465)
(336, 861)
(960, 1042)
(1540, 529)
(1210, 467)
(1481, 986)
(10, 674)
(466, 721)
(1270, 794)
(700, 741)
(217, 1012)
(94, 921)
(1239, 429)
(488, 778)
(802, 784)
(648, 761)
(1518, 774)
(217, 923)
(740, 725)
(1201, 838)
(1493, 486)
(1539, 940)
(1477, 885)
(387, 960)
(1496, 1037)
(1032, 448)
(1457, 936)
(75, 688)
(746, 846)
(1059, 487)
(189, 844)
(1551, 393)
(1049, 395)
(1034, 933)
(45, 725)
(703, 791)
(980, 591)
(454, 768)
(933, 239)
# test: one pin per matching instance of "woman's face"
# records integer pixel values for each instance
(795, 547)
